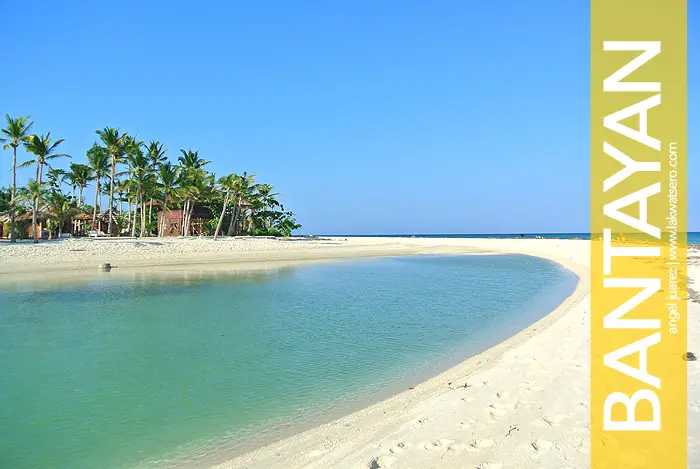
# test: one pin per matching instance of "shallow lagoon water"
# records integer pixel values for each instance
(154, 372)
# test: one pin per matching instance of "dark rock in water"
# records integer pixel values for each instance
(689, 357)
(106, 267)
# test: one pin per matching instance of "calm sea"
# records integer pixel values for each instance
(156, 372)
(693, 236)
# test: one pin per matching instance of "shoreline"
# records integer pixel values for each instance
(360, 439)
(287, 452)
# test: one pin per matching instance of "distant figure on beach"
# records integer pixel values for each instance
(522, 235)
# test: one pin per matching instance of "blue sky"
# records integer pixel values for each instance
(393, 116)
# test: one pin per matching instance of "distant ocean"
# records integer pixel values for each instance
(693, 236)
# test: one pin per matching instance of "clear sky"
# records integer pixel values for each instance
(392, 116)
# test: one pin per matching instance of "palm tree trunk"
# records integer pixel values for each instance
(240, 213)
(80, 197)
(186, 221)
(142, 232)
(133, 218)
(111, 195)
(13, 238)
(161, 229)
(182, 220)
(232, 224)
(34, 210)
(187, 218)
(221, 218)
(36, 203)
(94, 210)
(150, 216)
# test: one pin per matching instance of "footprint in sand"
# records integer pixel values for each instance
(490, 465)
(550, 420)
(381, 462)
(530, 389)
(483, 443)
(542, 446)
(497, 414)
(502, 394)
(400, 446)
(523, 404)
(437, 444)
(454, 449)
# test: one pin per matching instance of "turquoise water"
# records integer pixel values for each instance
(693, 237)
(117, 373)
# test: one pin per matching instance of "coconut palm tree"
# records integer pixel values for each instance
(32, 193)
(228, 185)
(56, 177)
(114, 142)
(62, 209)
(44, 151)
(4, 200)
(139, 167)
(15, 134)
(80, 176)
(168, 176)
(244, 187)
(156, 155)
(99, 163)
(267, 201)
(192, 179)
(190, 160)
(195, 186)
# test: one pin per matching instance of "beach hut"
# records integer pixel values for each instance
(4, 232)
(201, 216)
(24, 222)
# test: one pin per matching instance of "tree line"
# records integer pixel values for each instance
(126, 170)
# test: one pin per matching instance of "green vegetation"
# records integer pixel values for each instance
(127, 171)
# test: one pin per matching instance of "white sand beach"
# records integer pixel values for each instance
(523, 403)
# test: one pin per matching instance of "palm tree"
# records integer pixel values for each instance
(267, 201)
(33, 192)
(228, 184)
(98, 161)
(244, 187)
(192, 179)
(190, 160)
(195, 186)
(168, 176)
(156, 155)
(56, 177)
(16, 133)
(80, 175)
(4, 200)
(139, 167)
(44, 150)
(62, 209)
(114, 143)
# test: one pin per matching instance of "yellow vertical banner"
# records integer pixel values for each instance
(638, 234)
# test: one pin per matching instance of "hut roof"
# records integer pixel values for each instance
(41, 214)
